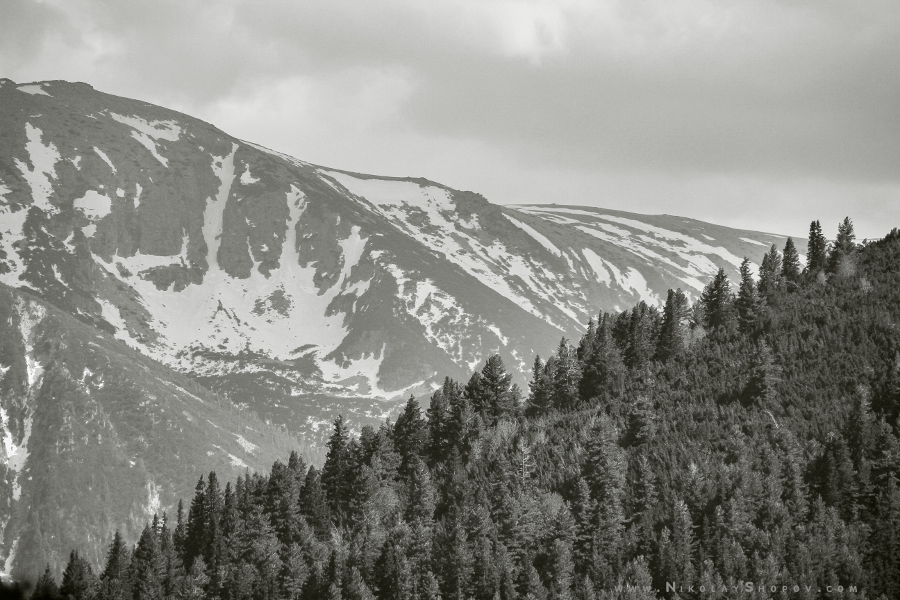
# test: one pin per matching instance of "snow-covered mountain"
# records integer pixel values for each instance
(170, 255)
(298, 289)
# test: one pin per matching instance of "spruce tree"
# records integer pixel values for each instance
(566, 375)
(46, 587)
(790, 263)
(717, 301)
(770, 273)
(748, 303)
(641, 341)
(78, 580)
(148, 567)
(672, 329)
(841, 256)
(336, 471)
(603, 373)
(314, 504)
(501, 396)
(816, 250)
(539, 400)
(410, 435)
(115, 580)
(605, 472)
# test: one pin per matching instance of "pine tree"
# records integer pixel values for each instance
(672, 330)
(336, 472)
(717, 302)
(641, 341)
(314, 504)
(419, 494)
(148, 567)
(770, 273)
(841, 256)
(540, 399)
(566, 376)
(46, 588)
(583, 511)
(115, 581)
(501, 396)
(78, 580)
(816, 250)
(605, 473)
(196, 525)
(410, 435)
(282, 502)
(438, 417)
(790, 263)
(748, 303)
(603, 373)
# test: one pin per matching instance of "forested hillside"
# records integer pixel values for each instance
(746, 444)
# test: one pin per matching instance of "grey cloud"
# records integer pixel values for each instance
(774, 91)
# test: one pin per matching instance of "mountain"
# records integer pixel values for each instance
(297, 289)
(157, 276)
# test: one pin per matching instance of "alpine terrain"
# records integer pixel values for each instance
(162, 283)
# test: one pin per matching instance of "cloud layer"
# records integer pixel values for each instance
(758, 113)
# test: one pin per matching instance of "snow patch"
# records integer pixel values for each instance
(223, 167)
(546, 243)
(43, 159)
(93, 204)
(597, 265)
(105, 158)
(246, 177)
(33, 89)
(749, 241)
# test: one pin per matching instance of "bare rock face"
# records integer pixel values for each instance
(290, 288)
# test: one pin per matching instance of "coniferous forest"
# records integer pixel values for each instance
(742, 446)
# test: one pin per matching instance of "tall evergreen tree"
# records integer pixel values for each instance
(46, 587)
(115, 580)
(748, 302)
(410, 435)
(500, 396)
(841, 256)
(790, 263)
(314, 503)
(603, 372)
(816, 250)
(641, 341)
(717, 301)
(337, 471)
(565, 378)
(148, 567)
(672, 329)
(539, 400)
(770, 273)
(78, 580)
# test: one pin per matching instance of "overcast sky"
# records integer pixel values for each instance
(761, 114)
